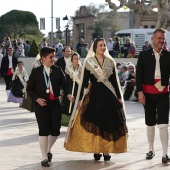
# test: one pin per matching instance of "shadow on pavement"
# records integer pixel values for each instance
(13, 123)
(19, 141)
(70, 165)
(23, 140)
(90, 165)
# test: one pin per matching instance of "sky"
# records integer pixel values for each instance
(42, 9)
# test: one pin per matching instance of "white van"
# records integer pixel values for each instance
(139, 36)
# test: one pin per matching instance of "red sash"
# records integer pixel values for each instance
(9, 73)
(151, 89)
(51, 97)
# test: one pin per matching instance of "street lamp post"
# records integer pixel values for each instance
(66, 19)
(52, 35)
(67, 34)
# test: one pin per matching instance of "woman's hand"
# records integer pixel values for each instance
(133, 74)
(120, 100)
(79, 105)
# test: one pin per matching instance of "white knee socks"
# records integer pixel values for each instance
(51, 141)
(46, 143)
(43, 141)
(164, 136)
(150, 131)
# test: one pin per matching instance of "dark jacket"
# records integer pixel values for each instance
(145, 70)
(145, 47)
(61, 63)
(78, 47)
(116, 46)
(5, 64)
(36, 86)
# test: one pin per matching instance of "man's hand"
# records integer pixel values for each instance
(71, 98)
(141, 98)
(41, 102)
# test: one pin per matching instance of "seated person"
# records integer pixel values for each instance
(124, 76)
(130, 82)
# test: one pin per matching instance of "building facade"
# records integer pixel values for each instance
(83, 26)
(131, 20)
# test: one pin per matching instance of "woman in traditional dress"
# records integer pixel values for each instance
(27, 101)
(74, 73)
(98, 125)
(19, 81)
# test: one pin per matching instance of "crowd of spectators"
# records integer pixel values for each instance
(127, 76)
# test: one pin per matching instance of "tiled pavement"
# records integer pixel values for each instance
(19, 149)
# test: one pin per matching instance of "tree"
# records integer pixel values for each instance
(19, 24)
(106, 20)
(103, 18)
(34, 49)
(145, 7)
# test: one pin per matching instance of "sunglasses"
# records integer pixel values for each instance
(131, 68)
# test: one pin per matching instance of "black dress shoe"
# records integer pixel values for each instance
(45, 163)
(106, 157)
(97, 156)
(165, 159)
(50, 155)
(150, 155)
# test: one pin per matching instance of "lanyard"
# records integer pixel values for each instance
(46, 82)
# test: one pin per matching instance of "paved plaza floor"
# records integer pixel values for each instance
(19, 148)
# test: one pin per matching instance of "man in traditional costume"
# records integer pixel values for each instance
(152, 79)
(43, 87)
(8, 66)
(64, 61)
